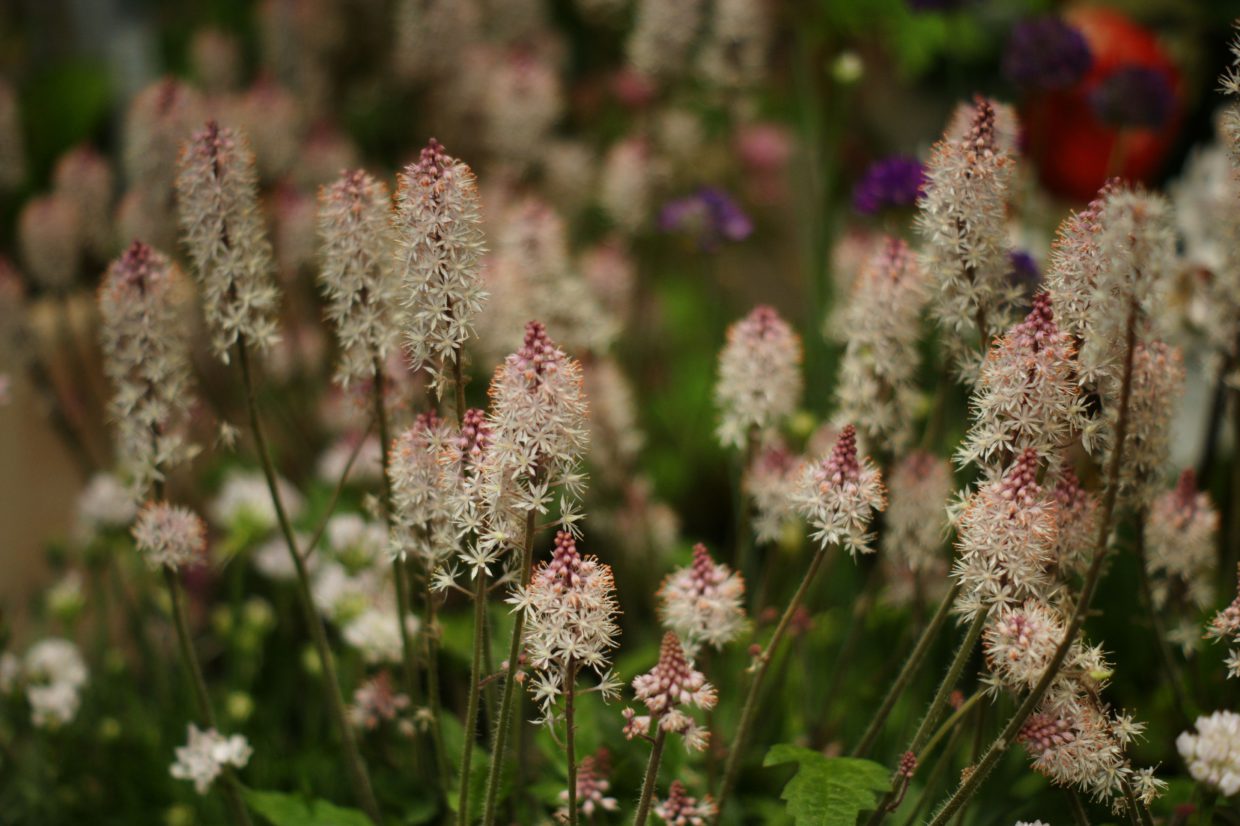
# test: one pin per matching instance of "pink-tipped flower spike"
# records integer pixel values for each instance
(681, 809)
(1157, 380)
(1078, 523)
(703, 603)
(226, 238)
(877, 387)
(431, 35)
(570, 623)
(963, 219)
(592, 787)
(672, 685)
(146, 357)
(759, 381)
(840, 494)
(1226, 626)
(168, 536)
(1006, 540)
(1019, 642)
(662, 36)
(49, 232)
(357, 276)
(917, 525)
(1027, 395)
(1180, 533)
(1076, 264)
(422, 518)
(83, 176)
(438, 259)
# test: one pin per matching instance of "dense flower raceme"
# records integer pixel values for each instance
(83, 176)
(759, 382)
(1006, 539)
(1226, 626)
(679, 808)
(703, 603)
(422, 508)
(206, 754)
(963, 220)
(227, 241)
(877, 387)
(771, 481)
(1180, 535)
(357, 273)
(840, 494)
(1157, 375)
(1078, 523)
(668, 688)
(439, 229)
(1212, 752)
(592, 787)
(1027, 395)
(169, 536)
(1019, 642)
(146, 357)
(159, 119)
(570, 609)
(919, 488)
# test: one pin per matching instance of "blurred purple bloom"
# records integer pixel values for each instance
(1046, 53)
(891, 182)
(710, 213)
(1134, 97)
(1024, 271)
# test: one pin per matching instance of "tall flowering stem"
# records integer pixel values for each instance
(840, 496)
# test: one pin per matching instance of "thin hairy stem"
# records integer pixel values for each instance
(761, 664)
(1174, 677)
(652, 775)
(475, 688)
(358, 775)
(937, 771)
(570, 742)
(432, 686)
(1079, 817)
(231, 787)
(1007, 737)
(915, 658)
(510, 681)
(948, 725)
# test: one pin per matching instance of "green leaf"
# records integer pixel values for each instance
(294, 810)
(829, 791)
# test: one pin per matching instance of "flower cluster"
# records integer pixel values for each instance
(570, 614)
(1078, 523)
(439, 227)
(672, 684)
(917, 525)
(1212, 752)
(771, 480)
(840, 494)
(1226, 626)
(376, 702)
(206, 754)
(679, 808)
(1180, 543)
(54, 674)
(357, 275)
(1157, 375)
(703, 603)
(662, 36)
(592, 787)
(759, 382)
(169, 536)
(422, 515)
(227, 241)
(146, 357)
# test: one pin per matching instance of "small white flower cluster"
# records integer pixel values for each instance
(877, 386)
(1212, 752)
(217, 191)
(206, 754)
(54, 674)
(703, 603)
(1180, 535)
(245, 500)
(759, 381)
(570, 609)
(104, 504)
(169, 536)
(438, 258)
(840, 495)
(917, 524)
(357, 274)
(375, 633)
(671, 684)
(146, 357)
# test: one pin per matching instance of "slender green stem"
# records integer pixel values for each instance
(937, 771)
(1079, 815)
(471, 705)
(1007, 737)
(750, 709)
(504, 722)
(231, 787)
(358, 775)
(948, 725)
(909, 668)
(432, 686)
(570, 741)
(1138, 810)
(1174, 677)
(652, 774)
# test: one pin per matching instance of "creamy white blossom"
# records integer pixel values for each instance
(206, 754)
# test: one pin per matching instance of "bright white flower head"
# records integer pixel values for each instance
(570, 621)
(877, 385)
(206, 754)
(146, 357)
(1212, 752)
(357, 276)
(840, 494)
(439, 229)
(759, 380)
(919, 489)
(1180, 535)
(224, 232)
(703, 603)
(681, 809)
(169, 536)
(53, 705)
(672, 684)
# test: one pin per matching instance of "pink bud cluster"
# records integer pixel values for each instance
(1180, 533)
(679, 808)
(671, 685)
(840, 494)
(703, 603)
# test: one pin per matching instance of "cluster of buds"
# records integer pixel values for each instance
(840, 494)
(592, 787)
(703, 603)
(680, 808)
(759, 384)
(672, 685)
(771, 480)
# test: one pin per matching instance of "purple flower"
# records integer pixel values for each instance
(1046, 53)
(1134, 97)
(891, 182)
(1024, 271)
(710, 213)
